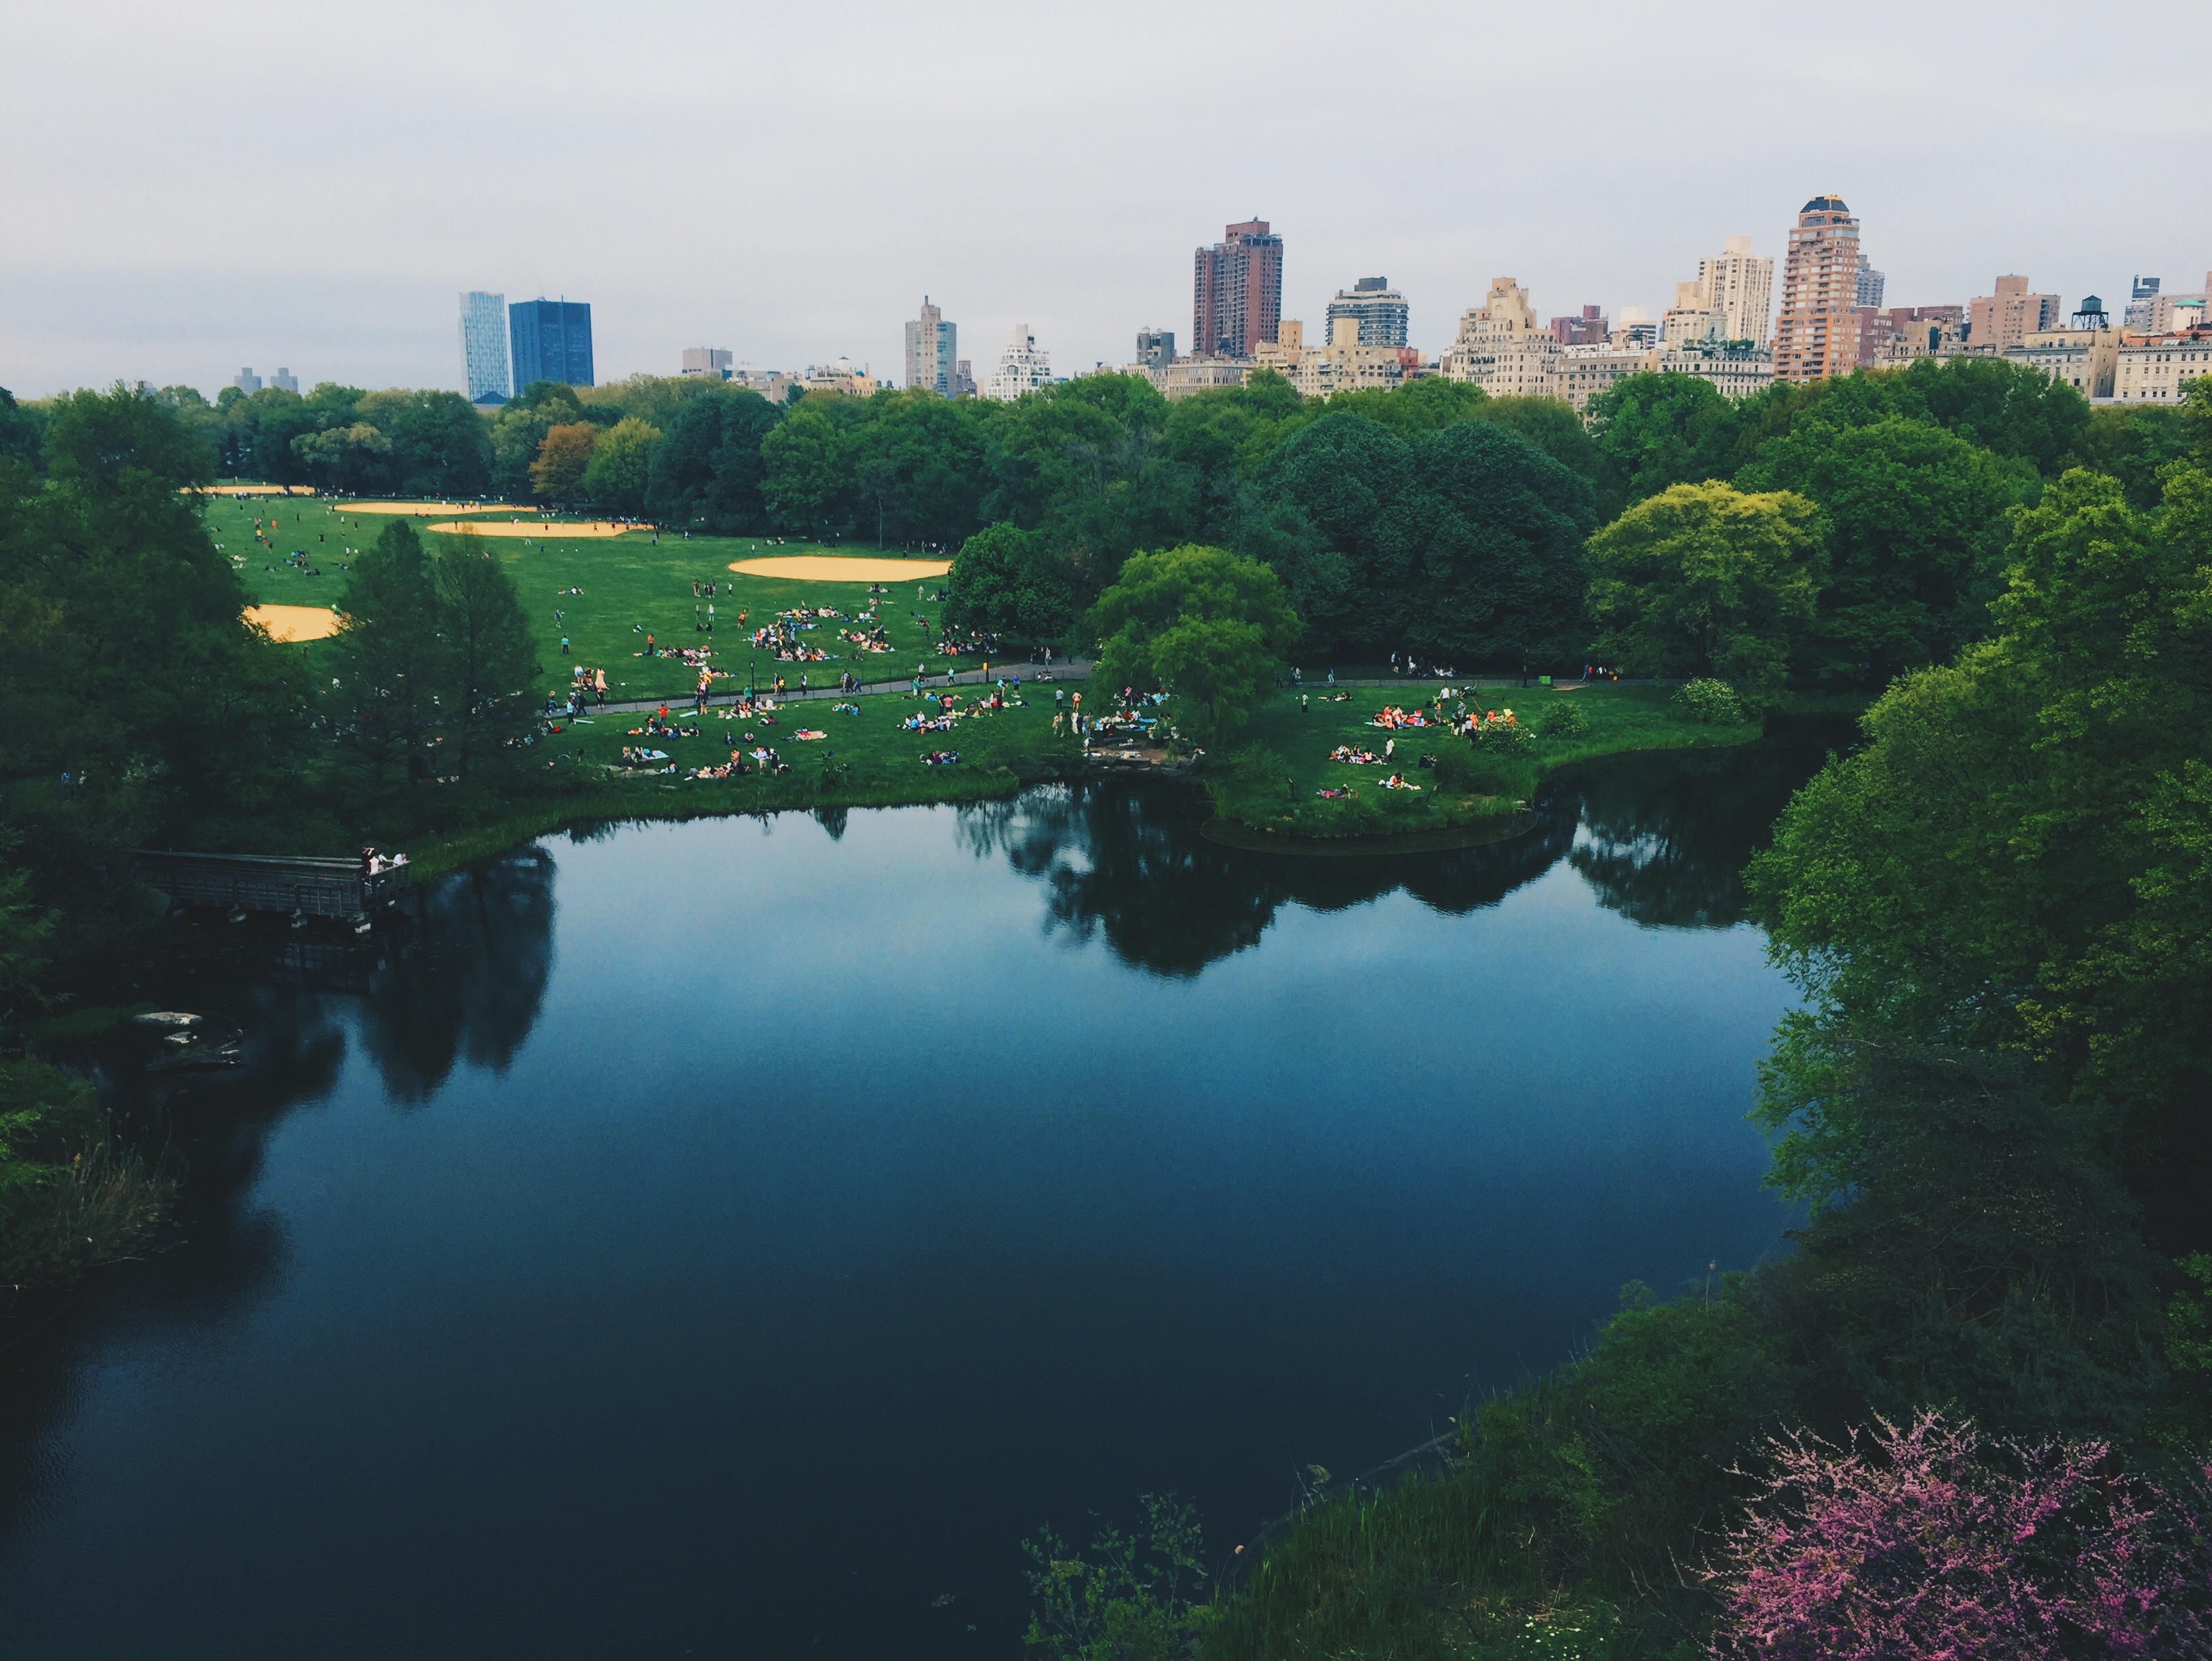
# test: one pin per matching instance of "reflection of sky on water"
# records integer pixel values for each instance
(800, 1197)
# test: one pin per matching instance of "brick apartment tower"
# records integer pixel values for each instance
(1236, 294)
(1817, 332)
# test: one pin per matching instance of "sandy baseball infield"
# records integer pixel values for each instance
(287, 623)
(828, 568)
(542, 529)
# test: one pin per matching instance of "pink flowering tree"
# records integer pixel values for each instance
(1930, 1541)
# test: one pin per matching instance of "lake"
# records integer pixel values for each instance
(733, 1238)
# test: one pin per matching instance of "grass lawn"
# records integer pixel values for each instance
(1302, 738)
(866, 760)
(631, 586)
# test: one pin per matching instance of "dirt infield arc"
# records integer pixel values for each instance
(829, 567)
(542, 529)
(287, 623)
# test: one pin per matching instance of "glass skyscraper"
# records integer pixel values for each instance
(483, 347)
(552, 341)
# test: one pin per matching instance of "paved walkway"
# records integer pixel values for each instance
(1066, 670)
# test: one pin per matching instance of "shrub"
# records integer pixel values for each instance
(1563, 720)
(1928, 1540)
(1708, 704)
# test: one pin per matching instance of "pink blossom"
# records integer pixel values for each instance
(1932, 1542)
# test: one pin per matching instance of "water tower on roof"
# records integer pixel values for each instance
(2090, 314)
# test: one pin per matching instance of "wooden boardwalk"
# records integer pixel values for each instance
(268, 882)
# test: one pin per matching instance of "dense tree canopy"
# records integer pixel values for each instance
(1206, 626)
(1464, 544)
(2019, 859)
(1703, 580)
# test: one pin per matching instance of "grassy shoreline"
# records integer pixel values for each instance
(1272, 782)
(1014, 748)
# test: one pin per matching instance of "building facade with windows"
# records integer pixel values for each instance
(484, 348)
(1155, 348)
(1379, 310)
(1236, 292)
(1736, 369)
(2158, 368)
(2085, 355)
(932, 351)
(1868, 286)
(1588, 330)
(551, 340)
(1345, 363)
(1816, 333)
(1023, 366)
(1187, 375)
(710, 362)
(1593, 367)
(1998, 322)
(1503, 350)
(1739, 285)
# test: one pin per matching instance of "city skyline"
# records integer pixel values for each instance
(137, 273)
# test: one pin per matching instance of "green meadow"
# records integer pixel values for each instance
(630, 587)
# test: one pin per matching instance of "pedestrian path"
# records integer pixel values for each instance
(1070, 669)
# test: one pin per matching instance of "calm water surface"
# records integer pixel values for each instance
(730, 1238)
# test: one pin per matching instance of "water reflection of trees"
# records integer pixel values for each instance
(1666, 837)
(458, 971)
(463, 975)
(1130, 864)
(1663, 838)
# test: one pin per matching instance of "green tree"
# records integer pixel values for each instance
(804, 479)
(563, 455)
(707, 469)
(2018, 857)
(488, 662)
(145, 707)
(355, 458)
(620, 472)
(385, 658)
(1705, 580)
(1654, 430)
(1209, 626)
(19, 439)
(1463, 546)
(1005, 582)
(1916, 521)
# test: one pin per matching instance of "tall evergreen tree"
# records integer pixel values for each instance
(387, 654)
(487, 662)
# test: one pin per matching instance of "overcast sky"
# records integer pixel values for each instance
(187, 189)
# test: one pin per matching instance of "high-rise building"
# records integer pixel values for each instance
(1817, 331)
(484, 348)
(1155, 348)
(1739, 285)
(1503, 350)
(932, 354)
(1379, 309)
(1236, 294)
(711, 362)
(245, 381)
(1023, 367)
(1868, 286)
(284, 380)
(2154, 313)
(1693, 317)
(552, 341)
(963, 379)
(2000, 321)
(1588, 330)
